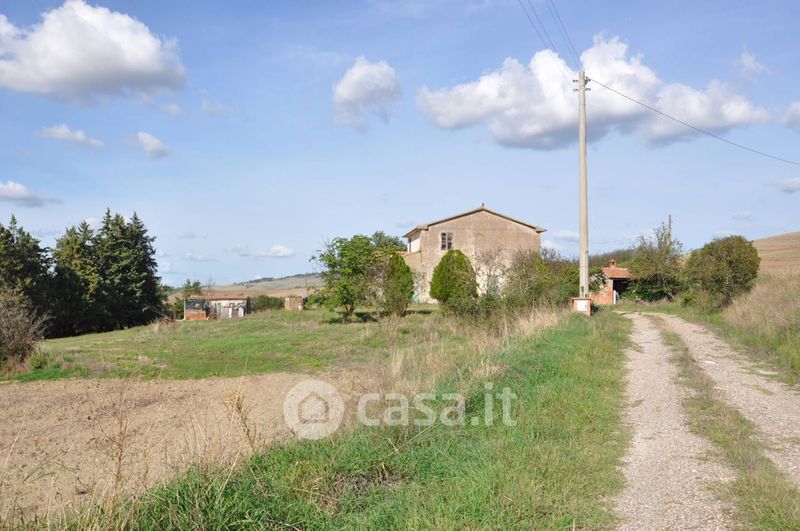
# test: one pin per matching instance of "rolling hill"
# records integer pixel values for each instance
(779, 253)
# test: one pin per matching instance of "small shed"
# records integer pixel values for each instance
(617, 279)
(201, 308)
(293, 303)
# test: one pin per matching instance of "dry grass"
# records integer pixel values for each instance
(779, 253)
(767, 317)
(423, 365)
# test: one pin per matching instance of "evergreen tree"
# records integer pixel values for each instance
(25, 267)
(77, 281)
(146, 300)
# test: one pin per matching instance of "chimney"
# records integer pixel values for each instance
(612, 263)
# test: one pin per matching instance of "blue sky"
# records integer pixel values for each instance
(246, 135)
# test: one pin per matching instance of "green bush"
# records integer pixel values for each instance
(398, 286)
(544, 279)
(656, 266)
(39, 360)
(453, 283)
(265, 302)
(720, 271)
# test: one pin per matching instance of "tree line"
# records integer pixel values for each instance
(367, 271)
(91, 281)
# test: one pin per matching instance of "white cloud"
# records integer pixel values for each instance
(276, 251)
(153, 147)
(165, 267)
(745, 215)
(365, 87)
(567, 235)
(19, 194)
(187, 236)
(750, 66)
(79, 51)
(792, 116)
(212, 108)
(192, 257)
(550, 244)
(63, 132)
(172, 109)
(534, 106)
(790, 186)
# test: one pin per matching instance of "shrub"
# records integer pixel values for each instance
(20, 328)
(544, 279)
(265, 302)
(720, 271)
(656, 266)
(39, 360)
(453, 283)
(397, 290)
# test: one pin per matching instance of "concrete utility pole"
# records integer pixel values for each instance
(584, 201)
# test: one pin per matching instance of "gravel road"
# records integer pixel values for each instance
(773, 407)
(670, 471)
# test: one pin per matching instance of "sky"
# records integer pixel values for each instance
(246, 134)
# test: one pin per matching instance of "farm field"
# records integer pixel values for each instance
(779, 253)
(259, 343)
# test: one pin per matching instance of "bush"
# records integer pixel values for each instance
(720, 271)
(453, 283)
(546, 279)
(397, 290)
(265, 302)
(656, 266)
(39, 360)
(20, 329)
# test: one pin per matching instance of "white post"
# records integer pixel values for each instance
(584, 202)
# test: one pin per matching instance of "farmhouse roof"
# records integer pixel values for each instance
(612, 271)
(469, 213)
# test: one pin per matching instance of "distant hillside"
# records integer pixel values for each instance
(779, 253)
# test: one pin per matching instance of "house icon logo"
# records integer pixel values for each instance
(313, 409)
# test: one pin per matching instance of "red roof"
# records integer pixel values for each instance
(612, 271)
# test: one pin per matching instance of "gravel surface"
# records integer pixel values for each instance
(670, 471)
(773, 407)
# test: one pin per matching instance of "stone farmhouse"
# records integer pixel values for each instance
(485, 236)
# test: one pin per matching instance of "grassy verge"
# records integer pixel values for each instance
(764, 497)
(557, 468)
(265, 342)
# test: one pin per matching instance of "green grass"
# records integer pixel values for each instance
(764, 497)
(556, 469)
(264, 342)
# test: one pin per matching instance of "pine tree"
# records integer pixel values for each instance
(77, 282)
(25, 267)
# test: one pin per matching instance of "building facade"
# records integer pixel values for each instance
(200, 308)
(488, 238)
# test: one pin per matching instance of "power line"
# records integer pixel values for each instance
(699, 130)
(567, 74)
(544, 29)
(556, 16)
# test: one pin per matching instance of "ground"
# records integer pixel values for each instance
(632, 418)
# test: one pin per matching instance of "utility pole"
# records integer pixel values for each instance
(584, 201)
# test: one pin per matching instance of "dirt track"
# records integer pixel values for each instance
(61, 441)
(773, 407)
(670, 471)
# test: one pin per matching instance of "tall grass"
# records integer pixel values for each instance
(768, 318)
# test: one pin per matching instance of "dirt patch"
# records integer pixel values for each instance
(670, 471)
(70, 442)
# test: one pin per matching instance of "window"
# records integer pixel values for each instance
(447, 241)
